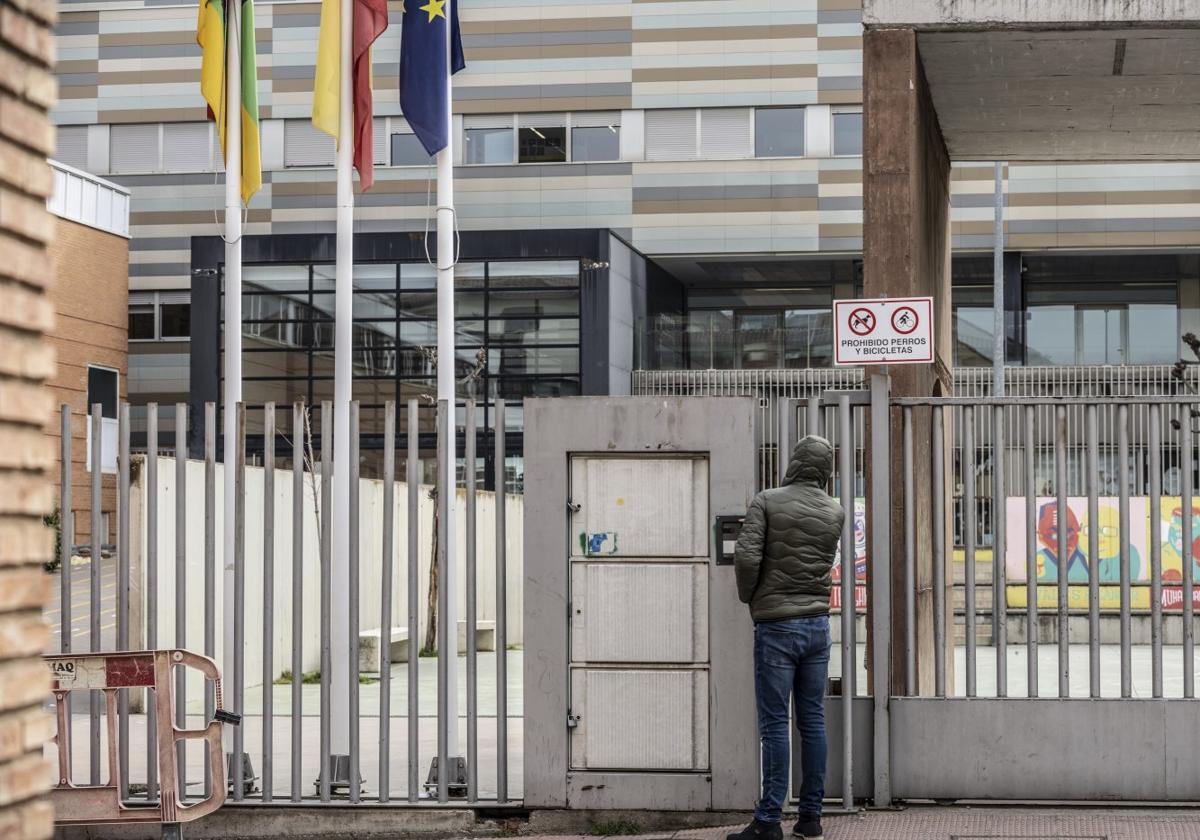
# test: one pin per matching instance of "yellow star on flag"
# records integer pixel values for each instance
(434, 8)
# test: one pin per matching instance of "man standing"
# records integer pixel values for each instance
(782, 562)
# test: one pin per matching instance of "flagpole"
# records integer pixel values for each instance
(446, 255)
(233, 325)
(342, 372)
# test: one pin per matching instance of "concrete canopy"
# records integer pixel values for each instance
(1058, 79)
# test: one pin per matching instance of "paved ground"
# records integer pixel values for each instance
(1006, 823)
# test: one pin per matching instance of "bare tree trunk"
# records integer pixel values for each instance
(431, 639)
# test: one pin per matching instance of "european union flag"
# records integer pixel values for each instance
(424, 77)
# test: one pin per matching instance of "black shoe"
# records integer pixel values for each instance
(808, 827)
(758, 831)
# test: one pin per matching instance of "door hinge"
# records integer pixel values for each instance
(573, 720)
(573, 507)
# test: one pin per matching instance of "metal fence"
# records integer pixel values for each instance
(290, 734)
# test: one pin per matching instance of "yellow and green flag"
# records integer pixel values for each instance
(211, 35)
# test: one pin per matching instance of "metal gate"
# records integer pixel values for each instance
(1008, 683)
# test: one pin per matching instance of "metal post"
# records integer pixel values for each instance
(66, 548)
(812, 415)
(385, 600)
(239, 599)
(323, 779)
(967, 462)
(998, 348)
(880, 571)
(151, 564)
(939, 550)
(849, 608)
(1155, 467)
(1123, 508)
(94, 698)
(501, 608)
(413, 477)
(910, 560)
(469, 559)
(444, 489)
(1189, 640)
(999, 550)
(299, 413)
(268, 663)
(210, 566)
(353, 524)
(1060, 528)
(1031, 549)
(787, 435)
(181, 586)
(123, 583)
(1093, 503)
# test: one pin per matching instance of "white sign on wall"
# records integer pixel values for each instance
(885, 331)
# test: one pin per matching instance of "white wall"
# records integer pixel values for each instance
(370, 563)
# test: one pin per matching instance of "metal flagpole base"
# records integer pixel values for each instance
(457, 783)
(248, 777)
(339, 777)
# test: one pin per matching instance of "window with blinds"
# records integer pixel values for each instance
(187, 147)
(725, 133)
(671, 135)
(71, 145)
(133, 148)
(379, 137)
(305, 145)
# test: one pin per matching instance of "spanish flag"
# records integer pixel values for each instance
(370, 19)
(212, 36)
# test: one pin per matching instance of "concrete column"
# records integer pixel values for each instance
(906, 252)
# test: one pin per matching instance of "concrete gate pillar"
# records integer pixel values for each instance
(906, 252)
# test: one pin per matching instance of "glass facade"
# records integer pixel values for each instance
(517, 325)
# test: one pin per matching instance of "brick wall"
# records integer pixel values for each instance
(90, 296)
(27, 90)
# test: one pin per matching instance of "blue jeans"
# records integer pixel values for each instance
(791, 660)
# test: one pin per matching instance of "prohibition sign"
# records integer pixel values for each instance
(904, 320)
(862, 321)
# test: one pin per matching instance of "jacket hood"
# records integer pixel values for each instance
(811, 463)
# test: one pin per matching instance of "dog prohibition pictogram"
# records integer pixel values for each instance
(904, 320)
(862, 321)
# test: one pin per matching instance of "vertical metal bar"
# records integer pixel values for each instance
(501, 608)
(1187, 436)
(967, 464)
(469, 559)
(910, 561)
(268, 664)
(880, 576)
(66, 548)
(1061, 517)
(849, 610)
(353, 617)
(939, 550)
(1123, 508)
(239, 599)
(123, 585)
(413, 477)
(1031, 550)
(385, 600)
(1000, 548)
(94, 601)
(1154, 444)
(151, 563)
(326, 595)
(210, 566)
(443, 625)
(181, 587)
(299, 416)
(1093, 514)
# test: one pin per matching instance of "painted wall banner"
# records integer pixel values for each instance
(883, 331)
(1110, 598)
(1168, 530)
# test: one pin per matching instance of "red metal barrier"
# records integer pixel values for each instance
(110, 673)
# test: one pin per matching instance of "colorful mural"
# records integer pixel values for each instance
(860, 545)
(1078, 526)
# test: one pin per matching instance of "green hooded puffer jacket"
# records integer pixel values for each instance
(787, 544)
